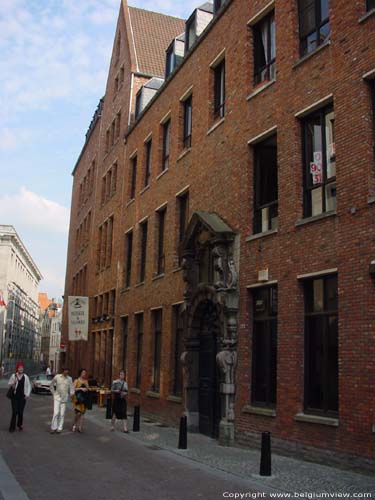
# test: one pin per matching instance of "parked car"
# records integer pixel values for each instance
(41, 383)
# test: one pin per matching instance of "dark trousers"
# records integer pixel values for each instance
(18, 405)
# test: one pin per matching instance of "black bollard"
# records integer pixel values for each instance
(136, 419)
(265, 457)
(182, 438)
(108, 411)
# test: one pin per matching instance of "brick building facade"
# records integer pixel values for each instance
(230, 264)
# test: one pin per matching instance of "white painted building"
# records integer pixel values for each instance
(19, 281)
(55, 340)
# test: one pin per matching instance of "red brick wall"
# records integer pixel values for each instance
(219, 172)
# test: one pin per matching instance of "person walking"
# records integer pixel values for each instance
(119, 391)
(81, 388)
(21, 388)
(61, 388)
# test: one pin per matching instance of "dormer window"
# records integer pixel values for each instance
(145, 94)
(217, 5)
(174, 54)
(196, 23)
(191, 35)
(138, 103)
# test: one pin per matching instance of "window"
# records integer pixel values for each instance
(183, 215)
(166, 145)
(114, 178)
(129, 252)
(118, 125)
(142, 270)
(265, 186)
(370, 4)
(178, 327)
(321, 346)
(264, 352)
(219, 90)
(314, 26)
(170, 61)
(148, 147)
(133, 182)
(113, 127)
(118, 48)
(109, 241)
(138, 103)
(107, 141)
(319, 163)
(187, 122)
(217, 5)
(124, 347)
(160, 256)
(191, 35)
(264, 49)
(157, 324)
(139, 332)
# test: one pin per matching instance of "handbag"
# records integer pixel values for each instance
(81, 397)
(10, 393)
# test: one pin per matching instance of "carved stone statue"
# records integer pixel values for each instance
(232, 275)
(227, 362)
(219, 254)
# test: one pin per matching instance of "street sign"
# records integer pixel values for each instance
(78, 312)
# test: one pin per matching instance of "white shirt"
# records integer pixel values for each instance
(62, 387)
(14, 381)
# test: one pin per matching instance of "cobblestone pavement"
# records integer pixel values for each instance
(147, 464)
(288, 475)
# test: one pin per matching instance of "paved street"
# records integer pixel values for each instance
(100, 465)
(139, 466)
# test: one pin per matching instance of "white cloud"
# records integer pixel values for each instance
(8, 139)
(28, 210)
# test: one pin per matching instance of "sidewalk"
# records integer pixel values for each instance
(288, 475)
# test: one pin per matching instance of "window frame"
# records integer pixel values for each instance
(324, 315)
(219, 89)
(270, 66)
(188, 122)
(308, 186)
(139, 325)
(319, 23)
(160, 262)
(129, 255)
(166, 145)
(157, 324)
(143, 250)
(178, 349)
(148, 152)
(370, 5)
(133, 178)
(267, 321)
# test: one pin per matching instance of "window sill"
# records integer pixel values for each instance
(216, 125)
(261, 235)
(177, 269)
(162, 173)
(139, 284)
(123, 290)
(158, 277)
(368, 14)
(146, 188)
(258, 410)
(371, 200)
(152, 394)
(130, 202)
(311, 54)
(325, 215)
(135, 390)
(174, 399)
(264, 87)
(315, 419)
(184, 153)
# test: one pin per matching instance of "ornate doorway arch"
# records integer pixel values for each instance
(210, 330)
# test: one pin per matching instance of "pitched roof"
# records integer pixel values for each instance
(160, 30)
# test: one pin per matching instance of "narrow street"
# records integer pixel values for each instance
(100, 465)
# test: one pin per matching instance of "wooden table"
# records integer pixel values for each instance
(104, 394)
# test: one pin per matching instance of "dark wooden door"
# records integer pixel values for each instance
(209, 400)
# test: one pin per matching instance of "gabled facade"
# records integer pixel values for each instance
(238, 284)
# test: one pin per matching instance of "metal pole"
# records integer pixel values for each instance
(136, 419)
(182, 439)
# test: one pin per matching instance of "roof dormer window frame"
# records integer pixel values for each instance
(170, 59)
(191, 22)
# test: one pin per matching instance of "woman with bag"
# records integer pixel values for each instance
(119, 405)
(81, 388)
(18, 392)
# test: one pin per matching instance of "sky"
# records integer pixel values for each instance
(54, 59)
